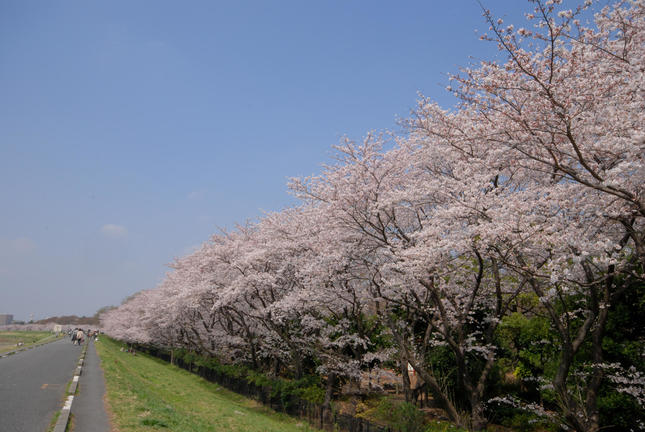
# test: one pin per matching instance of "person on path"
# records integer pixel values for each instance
(80, 336)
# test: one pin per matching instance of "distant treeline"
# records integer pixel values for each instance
(70, 319)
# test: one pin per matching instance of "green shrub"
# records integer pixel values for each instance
(384, 409)
(308, 388)
(313, 393)
(403, 417)
(619, 412)
(525, 421)
(408, 418)
(258, 379)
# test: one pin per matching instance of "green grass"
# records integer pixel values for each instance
(10, 339)
(52, 422)
(147, 394)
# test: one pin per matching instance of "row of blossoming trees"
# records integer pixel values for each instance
(496, 236)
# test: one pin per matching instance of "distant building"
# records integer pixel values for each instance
(6, 319)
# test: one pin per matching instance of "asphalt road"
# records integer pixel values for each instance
(32, 385)
(88, 409)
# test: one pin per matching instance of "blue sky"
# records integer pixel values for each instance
(130, 131)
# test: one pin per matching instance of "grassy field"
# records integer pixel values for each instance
(146, 394)
(10, 339)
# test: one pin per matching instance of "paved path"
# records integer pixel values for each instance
(88, 410)
(32, 385)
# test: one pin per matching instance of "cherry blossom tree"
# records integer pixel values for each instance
(561, 121)
(417, 221)
(532, 185)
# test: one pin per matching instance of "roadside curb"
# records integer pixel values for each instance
(63, 418)
(7, 354)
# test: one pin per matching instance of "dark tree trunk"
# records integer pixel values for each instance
(405, 379)
(331, 382)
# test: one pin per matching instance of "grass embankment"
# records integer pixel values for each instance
(9, 340)
(147, 394)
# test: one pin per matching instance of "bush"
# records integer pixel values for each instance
(408, 418)
(402, 417)
(312, 393)
(620, 412)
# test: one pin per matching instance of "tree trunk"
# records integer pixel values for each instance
(478, 420)
(297, 364)
(594, 383)
(275, 367)
(331, 381)
(254, 356)
(403, 365)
